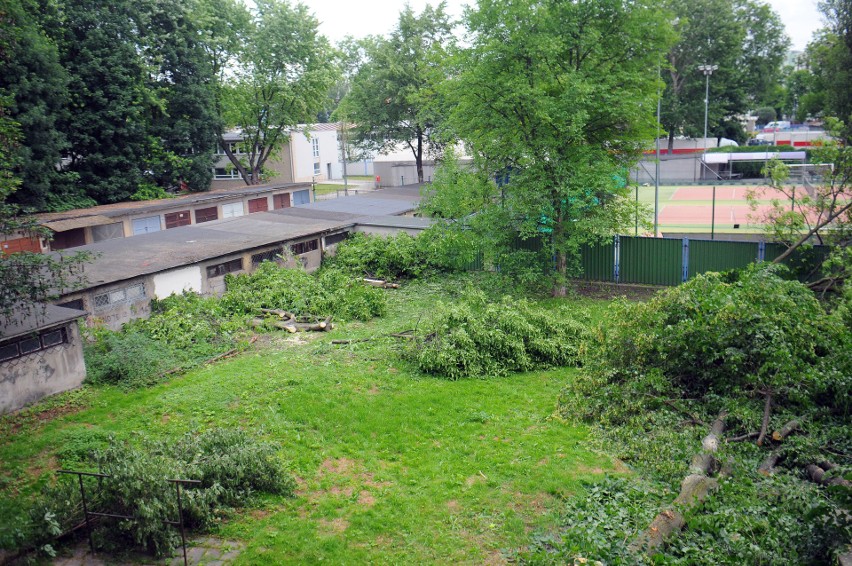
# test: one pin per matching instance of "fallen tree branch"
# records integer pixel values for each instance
(746, 436)
(767, 411)
(380, 283)
(278, 312)
(350, 341)
(694, 489)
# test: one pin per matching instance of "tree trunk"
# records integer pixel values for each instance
(767, 409)
(694, 489)
(419, 159)
(559, 288)
(785, 431)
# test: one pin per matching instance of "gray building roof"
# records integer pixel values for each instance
(40, 317)
(126, 258)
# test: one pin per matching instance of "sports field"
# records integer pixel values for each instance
(690, 208)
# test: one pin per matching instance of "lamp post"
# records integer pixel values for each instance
(707, 70)
(657, 163)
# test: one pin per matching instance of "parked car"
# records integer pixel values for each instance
(756, 141)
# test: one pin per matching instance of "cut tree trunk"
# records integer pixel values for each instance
(767, 467)
(817, 475)
(785, 431)
(380, 283)
(694, 489)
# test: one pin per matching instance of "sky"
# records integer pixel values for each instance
(360, 18)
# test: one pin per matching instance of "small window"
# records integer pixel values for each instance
(335, 238)
(101, 300)
(53, 338)
(27, 345)
(305, 247)
(117, 296)
(135, 292)
(315, 147)
(316, 168)
(8, 351)
(269, 255)
(223, 268)
(75, 304)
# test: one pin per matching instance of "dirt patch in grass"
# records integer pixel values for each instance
(453, 506)
(338, 467)
(33, 418)
(366, 499)
(333, 527)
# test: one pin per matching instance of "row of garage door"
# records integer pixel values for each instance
(183, 218)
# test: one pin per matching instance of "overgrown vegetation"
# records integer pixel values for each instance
(475, 337)
(762, 352)
(185, 330)
(231, 465)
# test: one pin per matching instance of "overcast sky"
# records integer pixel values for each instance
(377, 17)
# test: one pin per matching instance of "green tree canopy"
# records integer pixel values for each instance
(745, 40)
(282, 76)
(393, 100)
(561, 95)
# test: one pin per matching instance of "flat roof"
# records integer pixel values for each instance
(41, 316)
(127, 258)
(106, 212)
(121, 259)
(397, 222)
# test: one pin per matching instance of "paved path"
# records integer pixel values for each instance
(207, 551)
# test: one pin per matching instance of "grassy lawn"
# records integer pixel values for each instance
(392, 466)
(360, 177)
(325, 188)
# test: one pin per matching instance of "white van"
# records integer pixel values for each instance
(777, 126)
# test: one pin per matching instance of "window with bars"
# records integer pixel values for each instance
(117, 296)
(222, 268)
(304, 247)
(18, 347)
(335, 238)
(268, 255)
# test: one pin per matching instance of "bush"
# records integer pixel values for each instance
(711, 336)
(231, 465)
(130, 359)
(475, 338)
(330, 292)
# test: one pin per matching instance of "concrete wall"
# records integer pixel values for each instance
(34, 376)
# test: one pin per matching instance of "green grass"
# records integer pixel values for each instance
(360, 177)
(325, 188)
(393, 467)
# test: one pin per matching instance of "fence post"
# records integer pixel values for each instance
(761, 251)
(616, 258)
(685, 265)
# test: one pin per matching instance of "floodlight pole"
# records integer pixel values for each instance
(707, 70)
(657, 163)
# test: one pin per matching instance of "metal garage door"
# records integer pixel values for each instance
(146, 225)
(232, 210)
(108, 231)
(301, 197)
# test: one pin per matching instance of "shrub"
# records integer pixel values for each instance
(393, 257)
(130, 359)
(231, 465)
(331, 292)
(708, 335)
(477, 338)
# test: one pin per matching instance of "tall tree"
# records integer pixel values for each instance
(106, 126)
(831, 61)
(393, 99)
(37, 84)
(561, 95)
(183, 122)
(282, 76)
(744, 39)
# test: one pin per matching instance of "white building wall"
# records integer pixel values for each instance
(177, 281)
(301, 148)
